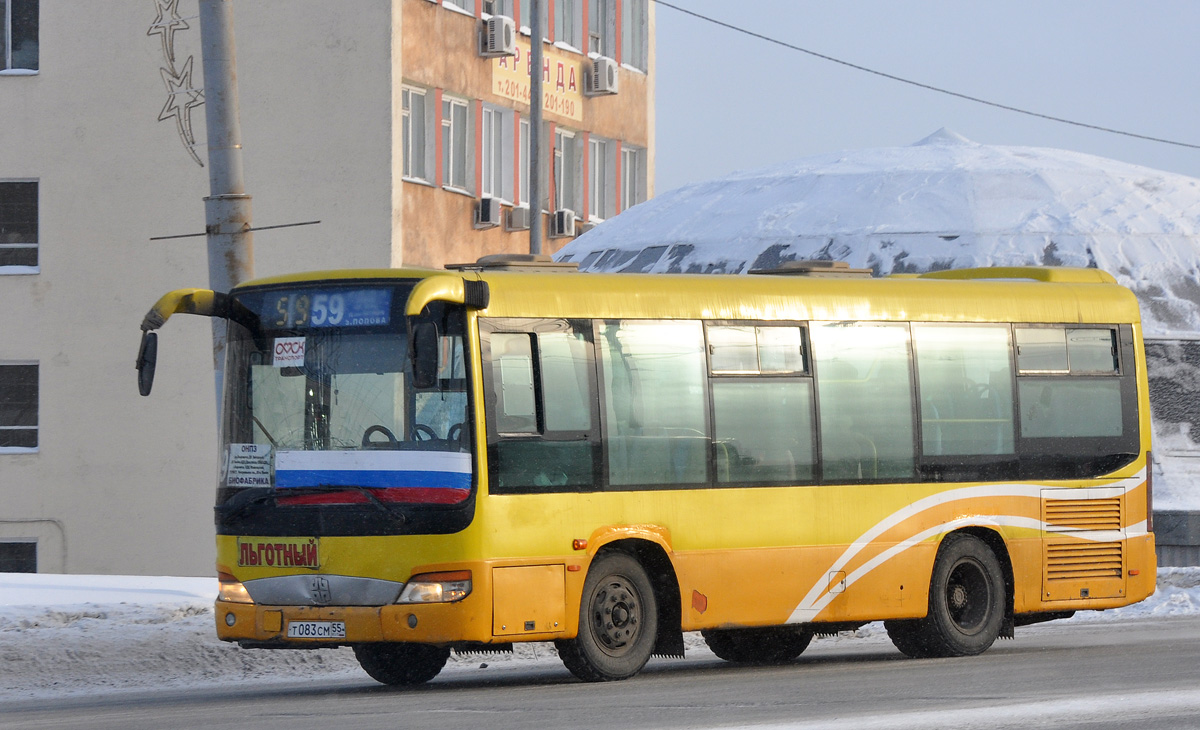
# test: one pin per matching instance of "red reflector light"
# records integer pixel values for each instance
(1135, 571)
(579, 544)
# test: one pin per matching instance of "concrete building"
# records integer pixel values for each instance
(382, 119)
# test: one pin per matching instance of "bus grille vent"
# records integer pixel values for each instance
(1083, 560)
(1084, 514)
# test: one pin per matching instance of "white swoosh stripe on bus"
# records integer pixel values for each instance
(814, 601)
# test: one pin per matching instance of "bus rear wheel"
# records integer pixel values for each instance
(401, 664)
(618, 622)
(966, 603)
(772, 645)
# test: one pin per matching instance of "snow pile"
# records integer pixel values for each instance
(70, 635)
(944, 202)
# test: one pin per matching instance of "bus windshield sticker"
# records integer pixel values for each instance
(327, 308)
(289, 352)
(418, 470)
(247, 465)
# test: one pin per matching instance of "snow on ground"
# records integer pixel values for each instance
(63, 635)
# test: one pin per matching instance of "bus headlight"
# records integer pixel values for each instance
(437, 587)
(231, 590)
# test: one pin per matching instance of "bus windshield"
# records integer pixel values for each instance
(320, 400)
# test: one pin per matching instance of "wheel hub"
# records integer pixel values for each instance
(615, 615)
(958, 597)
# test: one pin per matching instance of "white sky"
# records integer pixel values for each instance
(729, 102)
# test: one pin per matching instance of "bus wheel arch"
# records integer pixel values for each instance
(627, 613)
(969, 601)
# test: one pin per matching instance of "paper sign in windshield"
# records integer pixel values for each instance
(248, 465)
(289, 352)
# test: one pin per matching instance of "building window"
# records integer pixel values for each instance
(18, 227)
(523, 171)
(455, 148)
(497, 156)
(568, 22)
(566, 171)
(499, 7)
(633, 177)
(19, 39)
(602, 180)
(18, 407)
(415, 126)
(18, 556)
(635, 27)
(461, 5)
(601, 27)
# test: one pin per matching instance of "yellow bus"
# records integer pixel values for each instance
(420, 461)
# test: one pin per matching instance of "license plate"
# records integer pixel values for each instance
(316, 630)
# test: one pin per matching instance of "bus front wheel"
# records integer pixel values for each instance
(966, 603)
(772, 645)
(401, 664)
(618, 622)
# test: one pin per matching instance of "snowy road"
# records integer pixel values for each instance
(143, 656)
(1111, 674)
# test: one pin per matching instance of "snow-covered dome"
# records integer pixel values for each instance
(944, 202)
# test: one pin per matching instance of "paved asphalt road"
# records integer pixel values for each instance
(1099, 675)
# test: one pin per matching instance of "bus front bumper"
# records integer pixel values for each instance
(316, 626)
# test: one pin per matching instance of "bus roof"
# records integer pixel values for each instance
(1022, 294)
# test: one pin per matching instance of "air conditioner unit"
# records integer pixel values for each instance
(586, 226)
(562, 224)
(603, 78)
(518, 218)
(498, 37)
(487, 213)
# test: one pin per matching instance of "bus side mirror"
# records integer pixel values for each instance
(146, 360)
(425, 355)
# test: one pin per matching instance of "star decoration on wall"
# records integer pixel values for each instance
(165, 24)
(181, 96)
(179, 89)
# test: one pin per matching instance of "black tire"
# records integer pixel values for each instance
(618, 622)
(966, 603)
(771, 645)
(906, 636)
(401, 664)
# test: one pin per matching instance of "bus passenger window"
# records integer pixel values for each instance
(512, 376)
(565, 369)
(965, 374)
(543, 407)
(655, 399)
(749, 350)
(763, 430)
(1041, 350)
(865, 394)
(1070, 407)
(1092, 350)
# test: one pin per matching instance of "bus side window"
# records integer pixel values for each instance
(542, 412)
(655, 403)
(865, 393)
(512, 376)
(763, 429)
(965, 376)
(1079, 411)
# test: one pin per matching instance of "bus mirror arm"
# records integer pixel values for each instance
(204, 302)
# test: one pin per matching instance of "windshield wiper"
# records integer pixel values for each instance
(243, 501)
